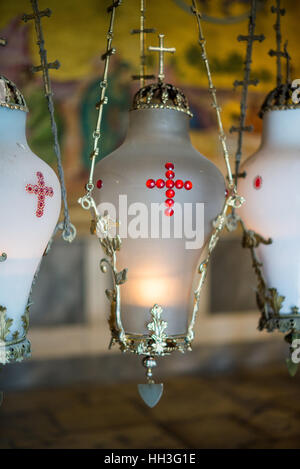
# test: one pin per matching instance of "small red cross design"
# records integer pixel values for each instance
(170, 185)
(41, 191)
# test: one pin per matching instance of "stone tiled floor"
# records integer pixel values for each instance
(258, 409)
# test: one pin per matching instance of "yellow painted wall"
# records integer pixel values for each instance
(76, 32)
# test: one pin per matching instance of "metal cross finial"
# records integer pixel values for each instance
(162, 50)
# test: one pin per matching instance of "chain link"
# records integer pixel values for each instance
(213, 92)
(87, 201)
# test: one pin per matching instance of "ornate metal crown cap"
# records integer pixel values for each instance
(278, 99)
(281, 97)
(161, 96)
(10, 96)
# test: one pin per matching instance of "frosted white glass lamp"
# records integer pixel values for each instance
(271, 189)
(155, 202)
(30, 200)
(164, 197)
(157, 167)
(272, 192)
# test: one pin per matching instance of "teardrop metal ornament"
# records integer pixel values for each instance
(151, 393)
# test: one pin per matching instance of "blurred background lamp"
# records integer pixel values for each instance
(271, 189)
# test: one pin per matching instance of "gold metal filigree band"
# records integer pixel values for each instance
(10, 96)
(18, 107)
(15, 352)
(161, 106)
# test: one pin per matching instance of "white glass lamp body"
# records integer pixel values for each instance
(272, 192)
(30, 200)
(160, 270)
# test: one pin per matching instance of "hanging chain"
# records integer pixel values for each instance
(232, 199)
(87, 202)
(245, 83)
(251, 239)
(288, 58)
(213, 92)
(142, 32)
(278, 53)
(142, 45)
(68, 230)
(3, 256)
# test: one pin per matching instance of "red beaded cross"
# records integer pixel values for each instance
(41, 191)
(170, 184)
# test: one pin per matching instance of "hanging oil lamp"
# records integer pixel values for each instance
(30, 204)
(270, 187)
(157, 167)
(156, 202)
